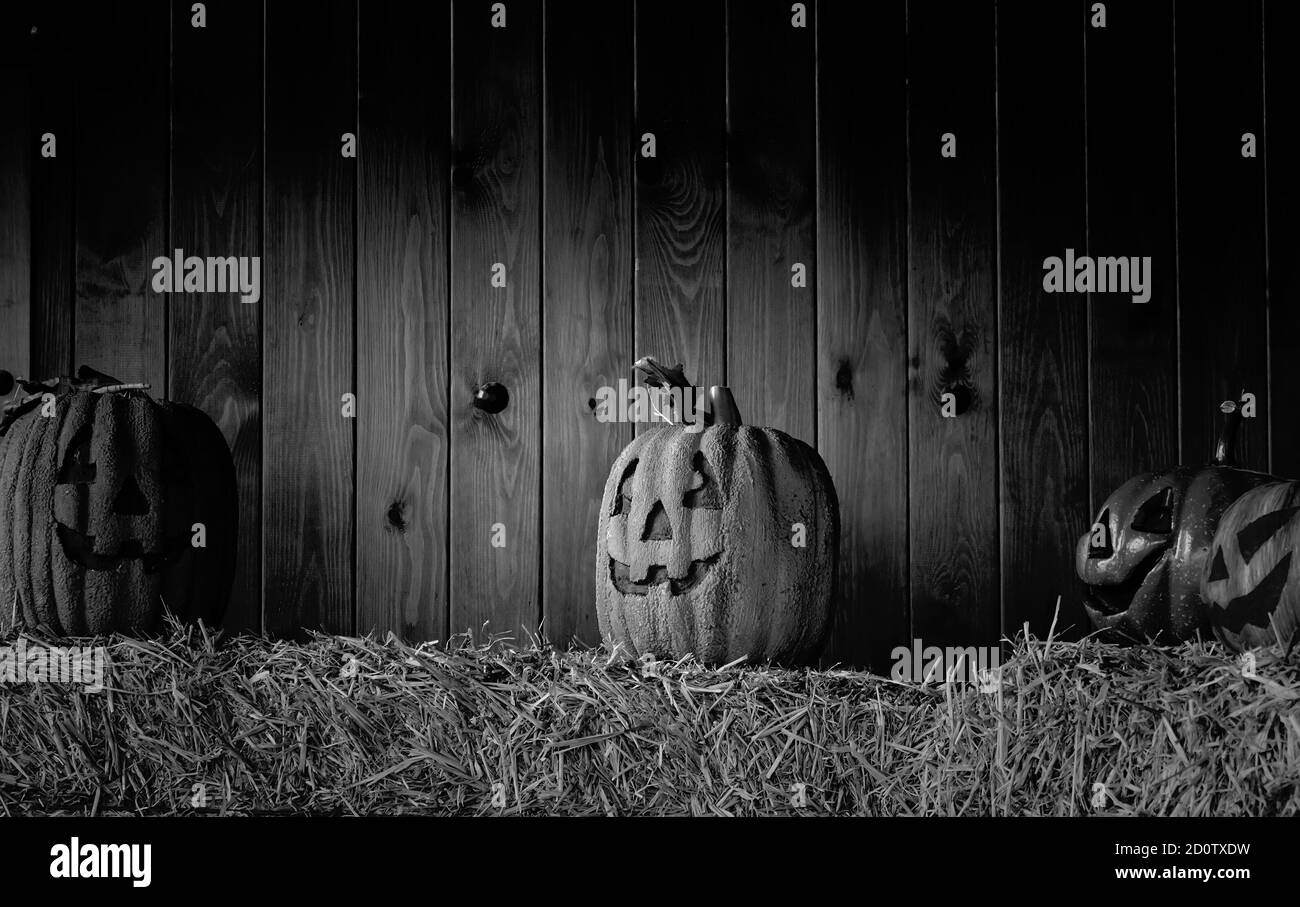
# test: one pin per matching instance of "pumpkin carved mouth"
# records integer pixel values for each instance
(81, 549)
(1115, 598)
(620, 574)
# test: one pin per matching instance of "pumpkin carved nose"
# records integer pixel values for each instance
(657, 526)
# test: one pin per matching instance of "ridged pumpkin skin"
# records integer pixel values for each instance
(1251, 584)
(694, 553)
(97, 503)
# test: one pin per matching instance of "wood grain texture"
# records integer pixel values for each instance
(1133, 404)
(587, 301)
(214, 347)
(1282, 149)
(952, 327)
(772, 160)
(1223, 323)
(496, 140)
(16, 143)
(681, 217)
(862, 319)
(1043, 338)
(402, 306)
(308, 318)
(122, 130)
(51, 50)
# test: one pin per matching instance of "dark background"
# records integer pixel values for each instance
(776, 146)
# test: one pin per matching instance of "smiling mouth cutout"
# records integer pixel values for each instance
(1115, 598)
(620, 576)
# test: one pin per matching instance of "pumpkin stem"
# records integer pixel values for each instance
(723, 409)
(1225, 452)
(665, 376)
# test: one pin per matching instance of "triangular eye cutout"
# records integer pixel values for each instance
(78, 469)
(703, 491)
(624, 490)
(1218, 569)
(1253, 537)
(1156, 515)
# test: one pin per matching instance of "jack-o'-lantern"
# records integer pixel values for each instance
(721, 542)
(1251, 586)
(113, 509)
(1144, 556)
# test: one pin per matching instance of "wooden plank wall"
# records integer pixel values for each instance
(952, 323)
(214, 353)
(587, 242)
(1042, 340)
(309, 317)
(862, 396)
(839, 209)
(17, 150)
(1133, 349)
(402, 318)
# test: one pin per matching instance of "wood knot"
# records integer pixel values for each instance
(396, 518)
(844, 379)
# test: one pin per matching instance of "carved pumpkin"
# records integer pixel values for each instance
(696, 548)
(99, 497)
(1145, 555)
(1251, 586)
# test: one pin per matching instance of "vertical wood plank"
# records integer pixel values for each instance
(402, 356)
(1223, 324)
(587, 302)
(1282, 147)
(309, 311)
(1043, 338)
(496, 185)
(681, 213)
(215, 340)
(952, 326)
(52, 51)
(862, 318)
(16, 143)
(122, 129)
(771, 196)
(1133, 419)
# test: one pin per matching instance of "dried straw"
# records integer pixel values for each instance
(362, 726)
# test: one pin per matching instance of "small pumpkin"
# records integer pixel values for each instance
(1146, 552)
(100, 490)
(696, 548)
(1251, 585)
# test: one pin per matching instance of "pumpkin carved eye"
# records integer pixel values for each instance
(1156, 515)
(1252, 537)
(704, 490)
(623, 496)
